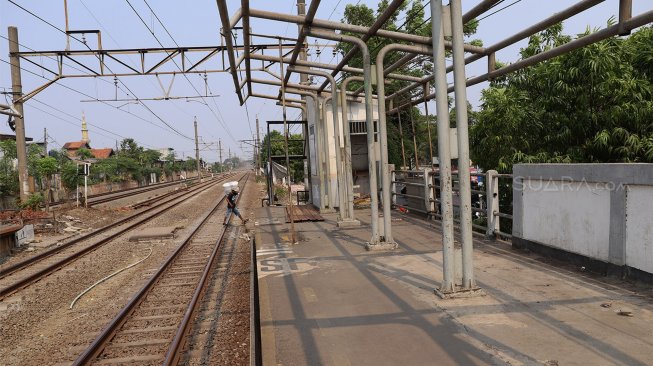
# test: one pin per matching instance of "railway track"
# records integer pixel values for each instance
(22, 274)
(100, 198)
(152, 327)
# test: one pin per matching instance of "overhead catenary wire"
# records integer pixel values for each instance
(84, 43)
(106, 31)
(219, 119)
(91, 97)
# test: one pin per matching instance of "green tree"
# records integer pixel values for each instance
(413, 21)
(84, 154)
(8, 173)
(594, 104)
(46, 167)
(277, 144)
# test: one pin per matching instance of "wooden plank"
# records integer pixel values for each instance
(304, 213)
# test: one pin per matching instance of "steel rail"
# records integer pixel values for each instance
(59, 264)
(95, 349)
(176, 346)
(132, 189)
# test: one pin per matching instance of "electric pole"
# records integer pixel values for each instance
(17, 91)
(220, 154)
(230, 162)
(258, 147)
(45, 141)
(197, 153)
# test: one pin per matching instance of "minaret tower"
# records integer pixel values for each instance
(84, 129)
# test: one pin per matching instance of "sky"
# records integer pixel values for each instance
(132, 24)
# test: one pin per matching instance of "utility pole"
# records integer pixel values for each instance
(65, 8)
(230, 162)
(220, 154)
(197, 153)
(258, 147)
(17, 91)
(45, 141)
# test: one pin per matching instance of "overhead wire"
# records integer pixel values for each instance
(106, 31)
(84, 43)
(91, 97)
(220, 120)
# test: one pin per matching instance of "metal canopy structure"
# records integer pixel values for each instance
(447, 30)
(289, 56)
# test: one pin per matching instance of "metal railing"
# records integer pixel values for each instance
(418, 190)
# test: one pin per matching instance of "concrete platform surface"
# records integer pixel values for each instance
(328, 301)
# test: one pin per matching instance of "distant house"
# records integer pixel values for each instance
(102, 153)
(12, 137)
(73, 147)
(165, 152)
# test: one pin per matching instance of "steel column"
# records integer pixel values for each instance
(347, 138)
(341, 173)
(462, 125)
(367, 68)
(226, 30)
(383, 131)
(444, 150)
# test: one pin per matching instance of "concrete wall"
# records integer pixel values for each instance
(600, 211)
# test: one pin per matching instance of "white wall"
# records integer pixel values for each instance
(639, 227)
(568, 215)
(601, 211)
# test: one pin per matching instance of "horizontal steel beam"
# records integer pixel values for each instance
(612, 31)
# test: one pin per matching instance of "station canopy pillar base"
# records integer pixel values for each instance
(460, 293)
(348, 223)
(381, 246)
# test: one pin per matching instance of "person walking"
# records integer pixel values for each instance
(231, 207)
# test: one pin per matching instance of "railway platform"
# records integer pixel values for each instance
(327, 301)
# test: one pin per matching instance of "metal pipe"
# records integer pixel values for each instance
(342, 188)
(380, 21)
(327, 155)
(246, 43)
(635, 22)
(388, 70)
(348, 69)
(367, 68)
(336, 135)
(320, 139)
(278, 83)
(625, 13)
(293, 105)
(226, 30)
(535, 28)
(462, 126)
(428, 124)
(444, 150)
(238, 14)
(274, 97)
(331, 25)
(348, 167)
(479, 9)
(307, 21)
(286, 133)
(383, 134)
